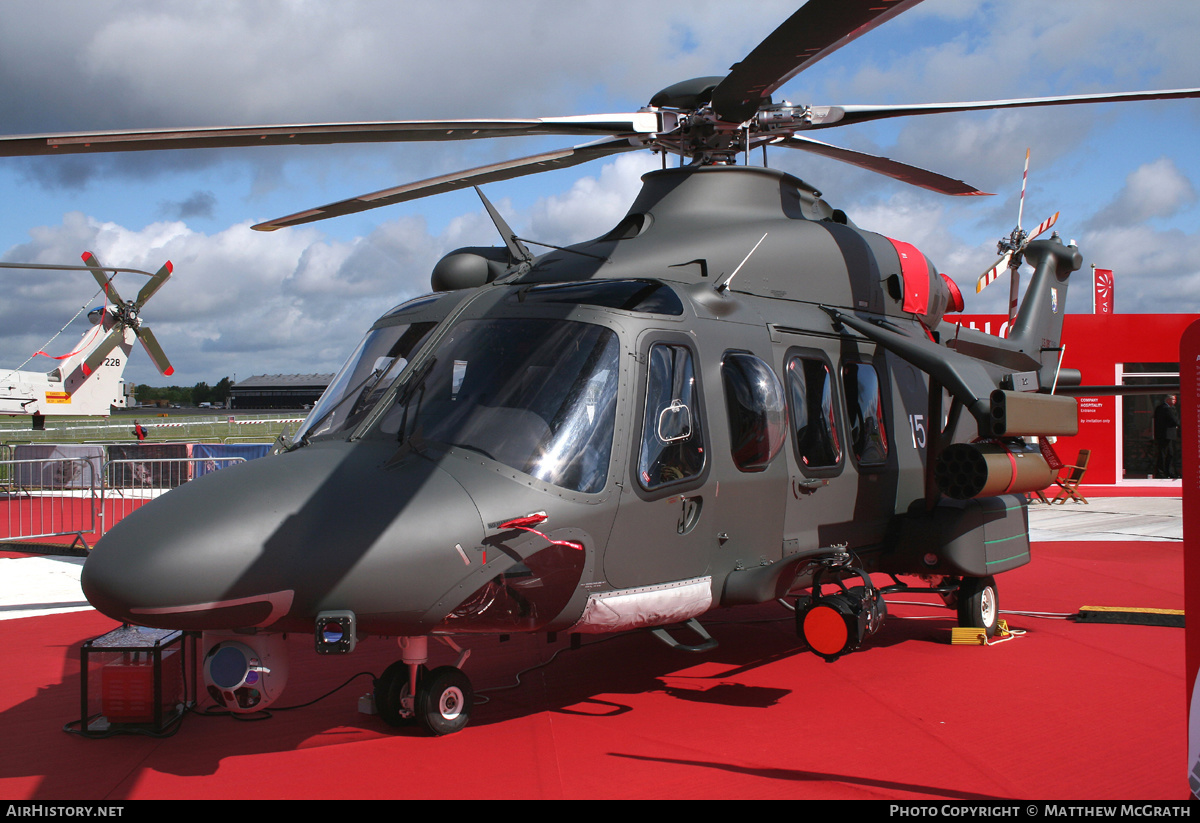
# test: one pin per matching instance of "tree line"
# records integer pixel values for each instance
(185, 395)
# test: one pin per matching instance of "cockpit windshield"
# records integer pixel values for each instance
(373, 366)
(538, 395)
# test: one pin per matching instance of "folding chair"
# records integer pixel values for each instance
(1068, 487)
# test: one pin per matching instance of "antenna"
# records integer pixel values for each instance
(516, 248)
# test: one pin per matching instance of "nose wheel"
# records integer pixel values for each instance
(441, 701)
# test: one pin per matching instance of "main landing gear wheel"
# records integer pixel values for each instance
(444, 700)
(978, 604)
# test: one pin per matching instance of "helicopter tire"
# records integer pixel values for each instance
(444, 701)
(978, 604)
(389, 691)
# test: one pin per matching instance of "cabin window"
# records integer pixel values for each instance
(754, 401)
(864, 408)
(672, 447)
(814, 423)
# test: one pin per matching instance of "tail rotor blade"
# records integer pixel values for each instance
(157, 356)
(1045, 224)
(96, 358)
(994, 272)
(1024, 177)
(156, 282)
(103, 279)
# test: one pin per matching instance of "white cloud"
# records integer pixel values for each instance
(1157, 189)
(592, 205)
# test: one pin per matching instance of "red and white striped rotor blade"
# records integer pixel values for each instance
(1045, 224)
(1024, 177)
(992, 273)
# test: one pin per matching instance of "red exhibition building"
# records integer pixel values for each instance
(1112, 350)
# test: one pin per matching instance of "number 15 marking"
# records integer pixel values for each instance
(917, 423)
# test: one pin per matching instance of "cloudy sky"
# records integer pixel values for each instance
(1124, 177)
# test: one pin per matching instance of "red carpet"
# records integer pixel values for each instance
(1069, 711)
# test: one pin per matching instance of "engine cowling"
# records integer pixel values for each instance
(469, 268)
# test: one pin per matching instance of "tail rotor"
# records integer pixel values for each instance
(1011, 250)
(127, 315)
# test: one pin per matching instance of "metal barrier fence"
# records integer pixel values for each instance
(129, 484)
(61, 497)
(176, 428)
(48, 497)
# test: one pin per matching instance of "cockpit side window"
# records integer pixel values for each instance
(371, 369)
(672, 446)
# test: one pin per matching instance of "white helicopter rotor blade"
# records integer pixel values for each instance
(503, 170)
(991, 274)
(883, 165)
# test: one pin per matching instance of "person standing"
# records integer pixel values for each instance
(1166, 437)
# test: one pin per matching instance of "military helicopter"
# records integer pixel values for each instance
(87, 379)
(733, 396)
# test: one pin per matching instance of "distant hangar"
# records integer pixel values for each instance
(278, 391)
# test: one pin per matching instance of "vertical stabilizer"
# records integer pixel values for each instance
(1037, 331)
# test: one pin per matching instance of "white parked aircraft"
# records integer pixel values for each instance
(87, 381)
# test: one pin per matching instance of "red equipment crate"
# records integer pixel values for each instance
(135, 680)
(127, 688)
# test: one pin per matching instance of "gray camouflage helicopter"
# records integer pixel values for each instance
(734, 396)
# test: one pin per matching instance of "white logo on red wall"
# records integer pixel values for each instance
(1102, 294)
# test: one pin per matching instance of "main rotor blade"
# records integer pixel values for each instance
(157, 356)
(504, 170)
(106, 283)
(328, 133)
(96, 358)
(156, 282)
(819, 28)
(56, 267)
(826, 116)
(892, 168)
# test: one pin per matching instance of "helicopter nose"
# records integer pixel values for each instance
(271, 542)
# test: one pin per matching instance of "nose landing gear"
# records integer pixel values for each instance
(439, 700)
